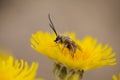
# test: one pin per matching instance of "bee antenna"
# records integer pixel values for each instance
(51, 25)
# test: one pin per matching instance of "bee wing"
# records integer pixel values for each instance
(52, 25)
(78, 47)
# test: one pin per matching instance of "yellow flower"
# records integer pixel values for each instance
(92, 54)
(11, 69)
(115, 77)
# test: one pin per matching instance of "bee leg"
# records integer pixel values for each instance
(65, 45)
(72, 50)
(72, 54)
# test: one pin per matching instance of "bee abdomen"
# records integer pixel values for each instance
(71, 46)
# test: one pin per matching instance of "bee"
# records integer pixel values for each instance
(64, 39)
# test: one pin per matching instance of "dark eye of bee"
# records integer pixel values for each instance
(57, 38)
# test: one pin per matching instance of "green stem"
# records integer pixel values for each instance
(75, 76)
(64, 73)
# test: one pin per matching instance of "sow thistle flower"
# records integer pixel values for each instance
(12, 69)
(67, 67)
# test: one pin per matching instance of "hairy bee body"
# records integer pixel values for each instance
(64, 39)
(67, 42)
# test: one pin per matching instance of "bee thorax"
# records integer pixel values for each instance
(67, 42)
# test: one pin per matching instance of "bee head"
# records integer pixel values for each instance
(58, 39)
